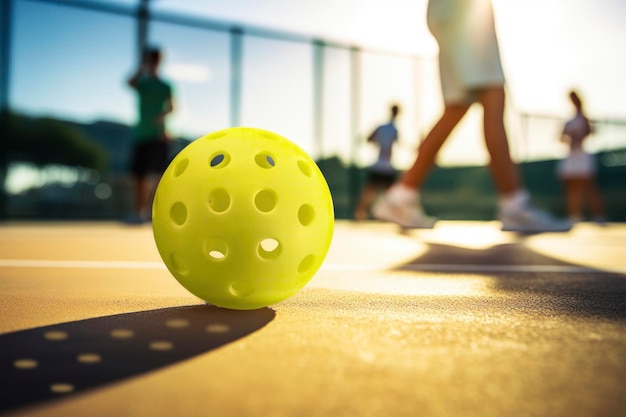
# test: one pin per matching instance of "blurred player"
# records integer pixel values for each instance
(381, 174)
(578, 170)
(471, 72)
(150, 150)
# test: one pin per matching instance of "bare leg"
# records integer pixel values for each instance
(141, 194)
(367, 197)
(416, 175)
(596, 205)
(574, 189)
(503, 169)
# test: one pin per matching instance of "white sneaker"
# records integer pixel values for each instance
(529, 219)
(407, 214)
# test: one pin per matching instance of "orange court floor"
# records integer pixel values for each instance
(460, 320)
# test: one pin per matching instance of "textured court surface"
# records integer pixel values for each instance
(462, 320)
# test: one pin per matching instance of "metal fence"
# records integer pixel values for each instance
(331, 91)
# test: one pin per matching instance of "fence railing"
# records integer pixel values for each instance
(339, 95)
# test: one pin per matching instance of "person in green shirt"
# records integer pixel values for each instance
(150, 150)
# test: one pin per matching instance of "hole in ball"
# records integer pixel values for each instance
(179, 264)
(305, 168)
(219, 200)
(241, 288)
(306, 264)
(219, 160)
(265, 200)
(215, 249)
(180, 167)
(265, 160)
(178, 213)
(269, 248)
(306, 214)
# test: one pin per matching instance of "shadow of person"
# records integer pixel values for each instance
(562, 287)
(510, 254)
(55, 361)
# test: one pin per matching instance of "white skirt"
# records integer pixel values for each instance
(578, 164)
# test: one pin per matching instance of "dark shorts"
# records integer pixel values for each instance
(381, 179)
(149, 158)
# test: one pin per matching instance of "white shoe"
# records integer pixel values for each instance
(408, 214)
(529, 219)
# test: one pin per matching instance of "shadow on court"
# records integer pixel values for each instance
(55, 361)
(547, 284)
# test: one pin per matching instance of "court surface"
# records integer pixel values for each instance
(461, 320)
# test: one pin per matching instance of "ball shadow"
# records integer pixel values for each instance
(57, 361)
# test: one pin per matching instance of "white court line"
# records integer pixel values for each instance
(71, 264)
(42, 263)
(511, 268)
(474, 268)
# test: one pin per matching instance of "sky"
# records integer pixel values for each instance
(550, 44)
(73, 63)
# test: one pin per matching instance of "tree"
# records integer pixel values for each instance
(44, 141)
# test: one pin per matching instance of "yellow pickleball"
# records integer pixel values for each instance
(243, 218)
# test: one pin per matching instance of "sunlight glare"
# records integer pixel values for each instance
(186, 72)
(469, 235)
(583, 246)
(411, 284)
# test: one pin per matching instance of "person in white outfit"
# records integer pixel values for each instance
(470, 72)
(577, 171)
(382, 174)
